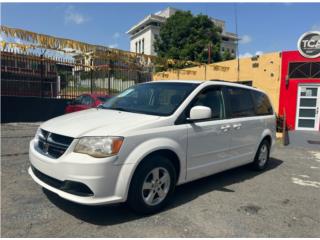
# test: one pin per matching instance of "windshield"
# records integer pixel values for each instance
(160, 98)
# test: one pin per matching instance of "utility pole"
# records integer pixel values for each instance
(41, 72)
(91, 79)
(110, 74)
(236, 25)
(91, 75)
(209, 52)
(41, 75)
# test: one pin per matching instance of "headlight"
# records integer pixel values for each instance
(99, 147)
(38, 133)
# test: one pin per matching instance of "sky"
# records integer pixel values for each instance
(263, 27)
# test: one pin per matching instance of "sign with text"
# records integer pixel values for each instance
(309, 44)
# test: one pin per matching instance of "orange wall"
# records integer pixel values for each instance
(264, 72)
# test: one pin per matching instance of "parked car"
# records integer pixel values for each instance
(86, 101)
(150, 138)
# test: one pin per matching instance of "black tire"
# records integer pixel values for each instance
(258, 164)
(135, 197)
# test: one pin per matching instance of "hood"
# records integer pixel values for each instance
(96, 122)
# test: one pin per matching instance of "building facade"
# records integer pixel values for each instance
(299, 98)
(143, 34)
(291, 80)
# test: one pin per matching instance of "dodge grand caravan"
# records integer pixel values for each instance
(153, 136)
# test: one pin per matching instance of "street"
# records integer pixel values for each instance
(282, 201)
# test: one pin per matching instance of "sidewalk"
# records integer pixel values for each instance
(305, 139)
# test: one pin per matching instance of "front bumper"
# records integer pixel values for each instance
(99, 175)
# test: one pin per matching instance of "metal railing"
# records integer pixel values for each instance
(42, 76)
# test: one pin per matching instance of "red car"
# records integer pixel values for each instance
(86, 101)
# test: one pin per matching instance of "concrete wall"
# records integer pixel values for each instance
(264, 71)
(30, 109)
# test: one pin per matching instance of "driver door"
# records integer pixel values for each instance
(208, 140)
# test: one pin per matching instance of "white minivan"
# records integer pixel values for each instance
(153, 136)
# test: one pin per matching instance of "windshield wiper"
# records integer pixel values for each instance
(129, 110)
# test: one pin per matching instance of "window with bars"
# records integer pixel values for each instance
(304, 70)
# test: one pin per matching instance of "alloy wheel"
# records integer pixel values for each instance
(263, 155)
(156, 186)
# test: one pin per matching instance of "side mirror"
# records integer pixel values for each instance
(200, 113)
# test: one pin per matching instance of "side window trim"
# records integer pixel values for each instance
(227, 107)
(255, 104)
(271, 106)
(181, 119)
(255, 109)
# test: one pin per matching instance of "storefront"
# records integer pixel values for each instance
(290, 78)
(299, 98)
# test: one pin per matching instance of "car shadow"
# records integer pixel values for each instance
(119, 213)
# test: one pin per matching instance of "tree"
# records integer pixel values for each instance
(227, 56)
(187, 37)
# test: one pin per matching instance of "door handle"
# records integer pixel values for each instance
(225, 128)
(237, 126)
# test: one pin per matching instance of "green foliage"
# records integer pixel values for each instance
(227, 56)
(186, 37)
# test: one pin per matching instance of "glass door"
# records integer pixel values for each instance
(308, 104)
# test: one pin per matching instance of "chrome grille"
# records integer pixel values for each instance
(51, 144)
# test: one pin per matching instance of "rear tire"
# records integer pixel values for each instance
(262, 156)
(152, 185)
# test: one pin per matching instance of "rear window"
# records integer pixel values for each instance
(262, 103)
(87, 100)
(241, 102)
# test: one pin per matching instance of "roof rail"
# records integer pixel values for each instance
(219, 80)
(244, 82)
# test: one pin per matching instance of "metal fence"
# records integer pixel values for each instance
(42, 76)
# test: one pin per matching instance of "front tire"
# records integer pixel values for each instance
(262, 156)
(152, 185)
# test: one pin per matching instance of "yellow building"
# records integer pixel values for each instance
(263, 72)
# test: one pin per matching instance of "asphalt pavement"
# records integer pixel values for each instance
(282, 201)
